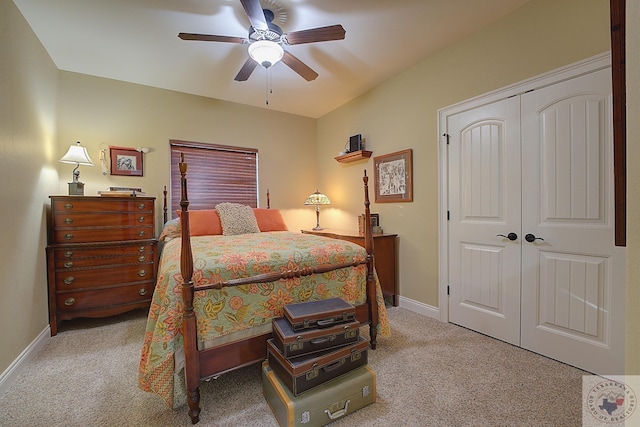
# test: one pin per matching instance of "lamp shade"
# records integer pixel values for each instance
(317, 198)
(266, 52)
(77, 154)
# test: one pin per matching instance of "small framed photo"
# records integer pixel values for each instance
(125, 161)
(375, 220)
(393, 174)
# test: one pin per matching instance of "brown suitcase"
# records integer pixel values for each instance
(319, 314)
(297, 343)
(306, 372)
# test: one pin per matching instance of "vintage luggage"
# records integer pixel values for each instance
(323, 405)
(296, 343)
(303, 373)
(319, 314)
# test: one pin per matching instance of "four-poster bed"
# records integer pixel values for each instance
(213, 288)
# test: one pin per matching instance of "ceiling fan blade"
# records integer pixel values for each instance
(212, 38)
(255, 14)
(246, 70)
(321, 34)
(299, 67)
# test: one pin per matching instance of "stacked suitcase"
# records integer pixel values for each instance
(316, 369)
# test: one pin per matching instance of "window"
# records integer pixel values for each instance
(215, 174)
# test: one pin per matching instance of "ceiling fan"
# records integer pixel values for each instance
(266, 41)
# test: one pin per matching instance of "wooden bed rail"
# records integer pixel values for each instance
(275, 276)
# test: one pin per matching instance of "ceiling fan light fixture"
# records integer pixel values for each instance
(266, 52)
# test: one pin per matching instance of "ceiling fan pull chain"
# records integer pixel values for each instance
(266, 87)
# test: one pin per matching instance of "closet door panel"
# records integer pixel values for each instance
(573, 275)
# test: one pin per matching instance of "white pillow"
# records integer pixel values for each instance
(237, 219)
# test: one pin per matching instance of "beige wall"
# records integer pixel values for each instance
(27, 173)
(43, 111)
(40, 117)
(402, 113)
(101, 112)
(633, 188)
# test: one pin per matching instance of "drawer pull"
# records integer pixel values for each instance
(69, 280)
(68, 236)
(141, 206)
(68, 220)
(142, 273)
(68, 264)
(141, 258)
(142, 292)
(141, 219)
(68, 254)
(141, 249)
(68, 206)
(141, 233)
(69, 301)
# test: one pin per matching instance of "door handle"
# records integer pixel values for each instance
(532, 238)
(510, 236)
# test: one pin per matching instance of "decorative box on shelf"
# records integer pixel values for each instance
(354, 156)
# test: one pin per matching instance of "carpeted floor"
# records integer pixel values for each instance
(428, 374)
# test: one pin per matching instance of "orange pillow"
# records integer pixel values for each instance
(269, 220)
(205, 222)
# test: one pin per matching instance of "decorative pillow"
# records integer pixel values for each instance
(237, 219)
(171, 230)
(204, 222)
(270, 220)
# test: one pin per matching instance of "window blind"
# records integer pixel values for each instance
(215, 174)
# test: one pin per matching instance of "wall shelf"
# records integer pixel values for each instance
(354, 156)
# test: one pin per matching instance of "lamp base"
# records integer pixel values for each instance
(76, 188)
(317, 227)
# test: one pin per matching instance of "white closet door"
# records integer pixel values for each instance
(484, 201)
(573, 281)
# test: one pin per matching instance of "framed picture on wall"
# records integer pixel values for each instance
(125, 161)
(393, 174)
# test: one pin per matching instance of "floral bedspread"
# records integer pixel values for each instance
(223, 312)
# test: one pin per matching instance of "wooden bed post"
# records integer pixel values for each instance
(164, 207)
(189, 331)
(371, 285)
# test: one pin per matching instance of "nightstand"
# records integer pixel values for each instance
(102, 256)
(385, 256)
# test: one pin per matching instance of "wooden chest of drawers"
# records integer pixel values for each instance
(102, 256)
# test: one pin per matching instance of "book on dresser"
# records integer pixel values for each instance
(102, 256)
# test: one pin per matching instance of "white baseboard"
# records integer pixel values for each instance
(10, 374)
(420, 308)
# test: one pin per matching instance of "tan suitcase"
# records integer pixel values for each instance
(325, 404)
(303, 373)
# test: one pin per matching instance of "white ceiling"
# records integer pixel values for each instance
(136, 41)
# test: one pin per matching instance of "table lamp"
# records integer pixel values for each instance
(77, 154)
(317, 199)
